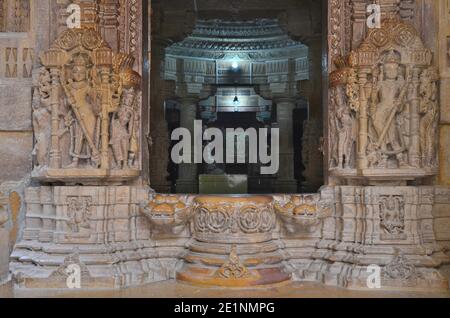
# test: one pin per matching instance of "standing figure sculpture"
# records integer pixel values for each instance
(429, 121)
(345, 124)
(85, 108)
(41, 118)
(388, 102)
(122, 131)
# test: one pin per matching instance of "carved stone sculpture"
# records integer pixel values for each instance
(3, 213)
(242, 225)
(430, 117)
(343, 128)
(300, 213)
(387, 111)
(168, 214)
(41, 118)
(391, 92)
(392, 217)
(92, 96)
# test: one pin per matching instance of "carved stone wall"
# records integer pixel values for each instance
(99, 228)
(128, 235)
(4, 239)
(444, 70)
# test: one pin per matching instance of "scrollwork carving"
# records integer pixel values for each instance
(233, 217)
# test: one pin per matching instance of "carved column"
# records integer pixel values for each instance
(286, 182)
(187, 175)
(363, 135)
(109, 22)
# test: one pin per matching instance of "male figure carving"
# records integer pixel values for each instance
(85, 107)
(388, 102)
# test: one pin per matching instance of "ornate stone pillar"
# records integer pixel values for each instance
(286, 182)
(187, 175)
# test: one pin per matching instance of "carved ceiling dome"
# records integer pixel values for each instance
(255, 39)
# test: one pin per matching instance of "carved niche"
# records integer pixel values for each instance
(86, 112)
(384, 107)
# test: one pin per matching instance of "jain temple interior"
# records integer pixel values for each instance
(169, 146)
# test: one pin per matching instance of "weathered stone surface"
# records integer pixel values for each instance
(15, 155)
(4, 254)
(4, 239)
(15, 101)
(444, 155)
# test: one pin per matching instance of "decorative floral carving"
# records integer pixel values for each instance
(233, 268)
(223, 217)
(400, 268)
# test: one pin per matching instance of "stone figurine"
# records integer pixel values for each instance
(41, 118)
(122, 132)
(85, 109)
(345, 124)
(388, 98)
(87, 119)
(430, 116)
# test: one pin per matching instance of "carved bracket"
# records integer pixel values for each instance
(168, 214)
(301, 213)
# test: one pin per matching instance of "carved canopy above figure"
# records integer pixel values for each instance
(86, 112)
(384, 108)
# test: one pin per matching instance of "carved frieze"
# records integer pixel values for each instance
(86, 111)
(230, 216)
